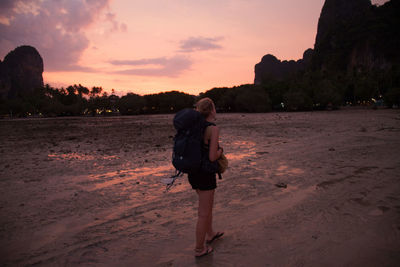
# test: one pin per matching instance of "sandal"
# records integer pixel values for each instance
(215, 237)
(205, 251)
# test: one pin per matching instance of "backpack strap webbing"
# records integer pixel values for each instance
(174, 177)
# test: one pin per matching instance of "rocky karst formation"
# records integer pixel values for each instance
(357, 36)
(353, 36)
(271, 68)
(20, 72)
(336, 15)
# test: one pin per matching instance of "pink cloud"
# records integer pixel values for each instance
(162, 66)
(6, 6)
(379, 2)
(193, 44)
(55, 28)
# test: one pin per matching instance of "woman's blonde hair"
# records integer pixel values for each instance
(205, 106)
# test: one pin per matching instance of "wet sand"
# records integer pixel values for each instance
(87, 191)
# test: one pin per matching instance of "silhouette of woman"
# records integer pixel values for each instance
(205, 183)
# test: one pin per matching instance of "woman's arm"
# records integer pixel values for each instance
(215, 150)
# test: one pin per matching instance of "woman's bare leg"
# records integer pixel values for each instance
(210, 232)
(204, 220)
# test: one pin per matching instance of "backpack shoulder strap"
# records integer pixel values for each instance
(206, 124)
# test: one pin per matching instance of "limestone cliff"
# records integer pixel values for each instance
(352, 36)
(21, 72)
(271, 68)
(357, 36)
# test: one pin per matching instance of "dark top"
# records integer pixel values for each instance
(202, 180)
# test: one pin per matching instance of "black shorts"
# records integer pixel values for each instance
(203, 181)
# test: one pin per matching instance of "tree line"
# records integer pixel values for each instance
(304, 91)
(78, 100)
(311, 90)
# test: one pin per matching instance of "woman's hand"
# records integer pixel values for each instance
(215, 150)
(220, 151)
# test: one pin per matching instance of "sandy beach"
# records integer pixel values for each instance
(87, 191)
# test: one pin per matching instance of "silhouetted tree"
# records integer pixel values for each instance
(217, 95)
(131, 104)
(95, 91)
(252, 98)
(392, 97)
(168, 102)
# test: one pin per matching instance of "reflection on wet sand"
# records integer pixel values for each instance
(78, 156)
(287, 170)
(241, 150)
(134, 175)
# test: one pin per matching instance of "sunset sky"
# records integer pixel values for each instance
(149, 46)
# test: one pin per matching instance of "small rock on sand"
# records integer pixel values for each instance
(281, 185)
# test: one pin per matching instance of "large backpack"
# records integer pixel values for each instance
(187, 151)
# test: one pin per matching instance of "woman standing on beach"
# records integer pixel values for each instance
(205, 183)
